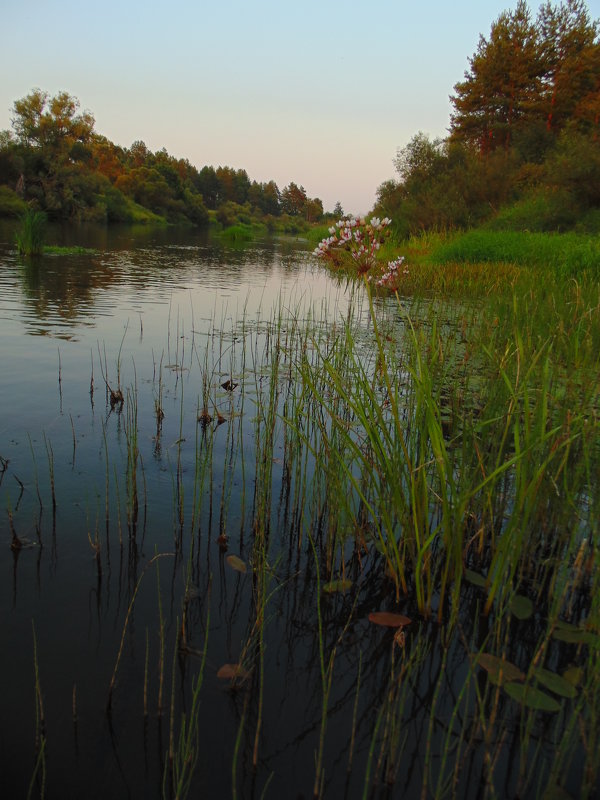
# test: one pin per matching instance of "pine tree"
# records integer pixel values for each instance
(503, 85)
(571, 57)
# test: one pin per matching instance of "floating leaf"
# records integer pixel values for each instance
(531, 697)
(475, 578)
(499, 671)
(556, 683)
(233, 672)
(337, 586)
(573, 635)
(521, 607)
(388, 619)
(574, 675)
(556, 793)
(566, 626)
(237, 564)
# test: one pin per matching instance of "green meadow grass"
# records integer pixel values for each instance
(569, 253)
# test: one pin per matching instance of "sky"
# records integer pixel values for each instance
(319, 93)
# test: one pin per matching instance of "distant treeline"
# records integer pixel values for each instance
(54, 161)
(523, 150)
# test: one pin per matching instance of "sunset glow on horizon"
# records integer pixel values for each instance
(322, 94)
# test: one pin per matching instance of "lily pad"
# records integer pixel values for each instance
(566, 626)
(236, 563)
(556, 683)
(233, 672)
(475, 578)
(531, 697)
(573, 635)
(499, 671)
(521, 607)
(574, 675)
(556, 793)
(337, 586)
(388, 619)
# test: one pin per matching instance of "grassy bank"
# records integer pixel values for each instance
(567, 252)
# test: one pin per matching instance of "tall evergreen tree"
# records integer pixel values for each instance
(503, 84)
(571, 59)
(529, 77)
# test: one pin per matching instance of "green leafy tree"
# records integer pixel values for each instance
(41, 121)
(55, 161)
(293, 199)
(139, 154)
(419, 159)
(54, 140)
(574, 166)
(313, 209)
(107, 158)
(209, 186)
(271, 199)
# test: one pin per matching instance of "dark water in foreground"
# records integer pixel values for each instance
(123, 593)
(163, 313)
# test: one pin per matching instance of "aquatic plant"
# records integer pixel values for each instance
(357, 236)
(423, 460)
(362, 240)
(30, 236)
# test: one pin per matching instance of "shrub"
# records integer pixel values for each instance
(11, 204)
(543, 210)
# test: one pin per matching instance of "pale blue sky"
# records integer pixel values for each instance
(321, 93)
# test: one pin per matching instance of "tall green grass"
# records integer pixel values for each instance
(424, 455)
(469, 443)
(569, 253)
(31, 234)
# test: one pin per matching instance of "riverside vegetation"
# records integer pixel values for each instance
(375, 572)
(404, 505)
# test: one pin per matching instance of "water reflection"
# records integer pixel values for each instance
(133, 269)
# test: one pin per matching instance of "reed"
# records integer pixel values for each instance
(113, 679)
(419, 456)
(133, 457)
(185, 754)
(414, 459)
(39, 772)
(50, 456)
(30, 236)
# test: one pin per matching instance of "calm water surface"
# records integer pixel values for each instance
(106, 591)
(168, 316)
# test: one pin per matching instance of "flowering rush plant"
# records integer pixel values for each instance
(390, 278)
(362, 238)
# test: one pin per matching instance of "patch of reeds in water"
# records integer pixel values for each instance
(435, 462)
(30, 236)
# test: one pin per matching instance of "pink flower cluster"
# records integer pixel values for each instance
(392, 274)
(360, 237)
